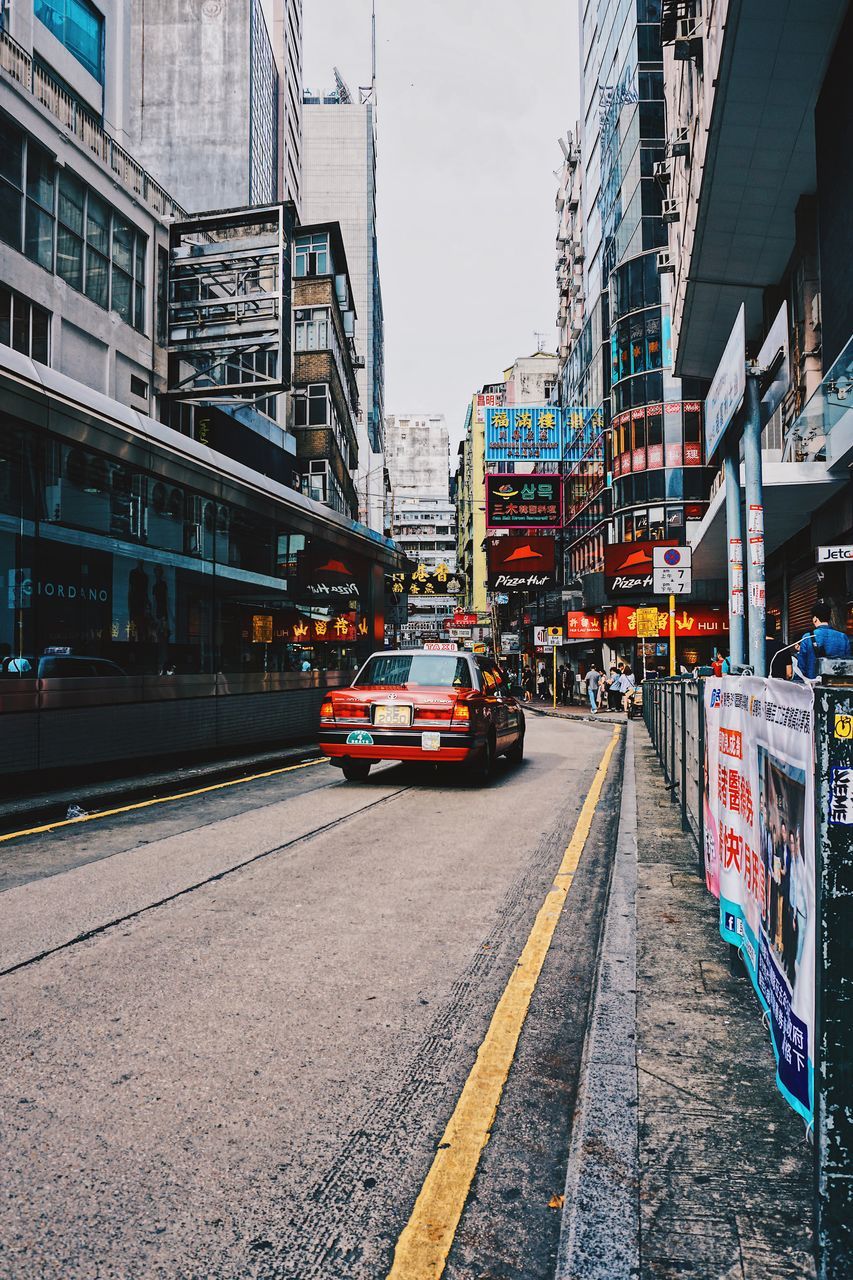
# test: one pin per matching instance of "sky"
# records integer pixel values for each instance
(473, 95)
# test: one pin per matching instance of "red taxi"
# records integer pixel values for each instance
(425, 704)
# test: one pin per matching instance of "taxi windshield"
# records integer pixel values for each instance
(442, 670)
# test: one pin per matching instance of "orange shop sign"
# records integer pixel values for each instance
(693, 621)
(583, 626)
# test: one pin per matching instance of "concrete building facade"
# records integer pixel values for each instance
(207, 111)
(339, 181)
(422, 513)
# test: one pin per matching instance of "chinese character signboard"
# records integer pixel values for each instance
(524, 502)
(582, 626)
(522, 564)
(624, 623)
(261, 628)
(424, 581)
(760, 856)
(491, 397)
(524, 433)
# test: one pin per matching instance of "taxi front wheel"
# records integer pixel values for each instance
(355, 770)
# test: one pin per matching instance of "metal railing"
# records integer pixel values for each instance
(673, 713)
(18, 64)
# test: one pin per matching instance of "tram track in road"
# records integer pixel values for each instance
(222, 874)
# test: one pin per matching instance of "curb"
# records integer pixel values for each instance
(600, 1228)
(44, 806)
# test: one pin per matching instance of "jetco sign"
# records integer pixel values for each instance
(628, 566)
(522, 564)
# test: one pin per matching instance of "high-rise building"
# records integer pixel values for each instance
(339, 181)
(211, 99)
(634, 455)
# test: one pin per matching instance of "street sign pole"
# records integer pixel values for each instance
(554, 677)
(754, 524)
(672, 635)
(734, 541)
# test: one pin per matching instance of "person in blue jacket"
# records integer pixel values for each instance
(823, 642)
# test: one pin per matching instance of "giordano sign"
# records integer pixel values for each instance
(23, 589)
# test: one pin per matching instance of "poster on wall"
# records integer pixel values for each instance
(760, 855)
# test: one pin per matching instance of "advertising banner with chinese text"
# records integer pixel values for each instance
(760, 855)
(524, 433)
(524, 502)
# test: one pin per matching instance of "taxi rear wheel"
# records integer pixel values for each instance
(481, 768)
(515, 755)
(355, 770)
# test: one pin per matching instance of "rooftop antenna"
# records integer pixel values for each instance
(342, 87)
(540, 340)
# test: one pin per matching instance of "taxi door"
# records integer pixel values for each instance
(496, 693)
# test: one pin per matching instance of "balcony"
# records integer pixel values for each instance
(19, 67)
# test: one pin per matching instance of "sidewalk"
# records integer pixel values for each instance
(684, 1159)
(578, 710)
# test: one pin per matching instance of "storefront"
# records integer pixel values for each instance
(699, 630)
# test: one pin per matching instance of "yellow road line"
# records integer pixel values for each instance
(425, 1241)
(146, 804)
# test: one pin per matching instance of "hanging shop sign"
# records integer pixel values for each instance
(261, 628)
(690, 621)
(524, 433)
(524, 502)
(582, 626)
(760, 856)
(728, 387)
(628, 566)
(423, 581)
(334, 630)
(522, 564)
(648, 624)
(492, 396)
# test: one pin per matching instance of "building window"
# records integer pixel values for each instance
(80, 27)
(312, 257)
(263, 151)
(24, 326)
(313, 329)
(312, 406)
(68, 229)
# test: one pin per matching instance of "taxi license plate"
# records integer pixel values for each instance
(392, 713)
(431, 741)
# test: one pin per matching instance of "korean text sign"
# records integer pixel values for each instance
(524, 433)
(760, 855)
(524, 502)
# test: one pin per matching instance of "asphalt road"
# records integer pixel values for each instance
(235, 1026)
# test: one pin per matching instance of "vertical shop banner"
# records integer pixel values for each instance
(760, 855)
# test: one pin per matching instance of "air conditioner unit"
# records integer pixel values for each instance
(662, 173)
(688, 40)
(679, 147)
(669, 211)
(665, 262)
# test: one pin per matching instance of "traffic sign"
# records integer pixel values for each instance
(672, 582)
(547, 637)
(672, 557)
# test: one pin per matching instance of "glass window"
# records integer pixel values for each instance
(98, 224)
(312, 256)
(312, 329)
(69, 238)
(97, 278)
(441, 670)
(10, 216)
(79, 26)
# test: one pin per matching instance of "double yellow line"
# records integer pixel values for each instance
(425, 1241)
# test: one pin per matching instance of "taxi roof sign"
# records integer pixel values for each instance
(441, 646)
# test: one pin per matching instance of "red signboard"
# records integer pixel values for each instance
(465, 620)
(583, 626)
(693, 455)
(690, 621)
(522, 564)
(628, 566)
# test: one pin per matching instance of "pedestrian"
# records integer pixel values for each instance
(593, 681)
(627, 685)
(527, 683)
(614, 688)
(570, 684)
(822, 642)
(543, 681)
